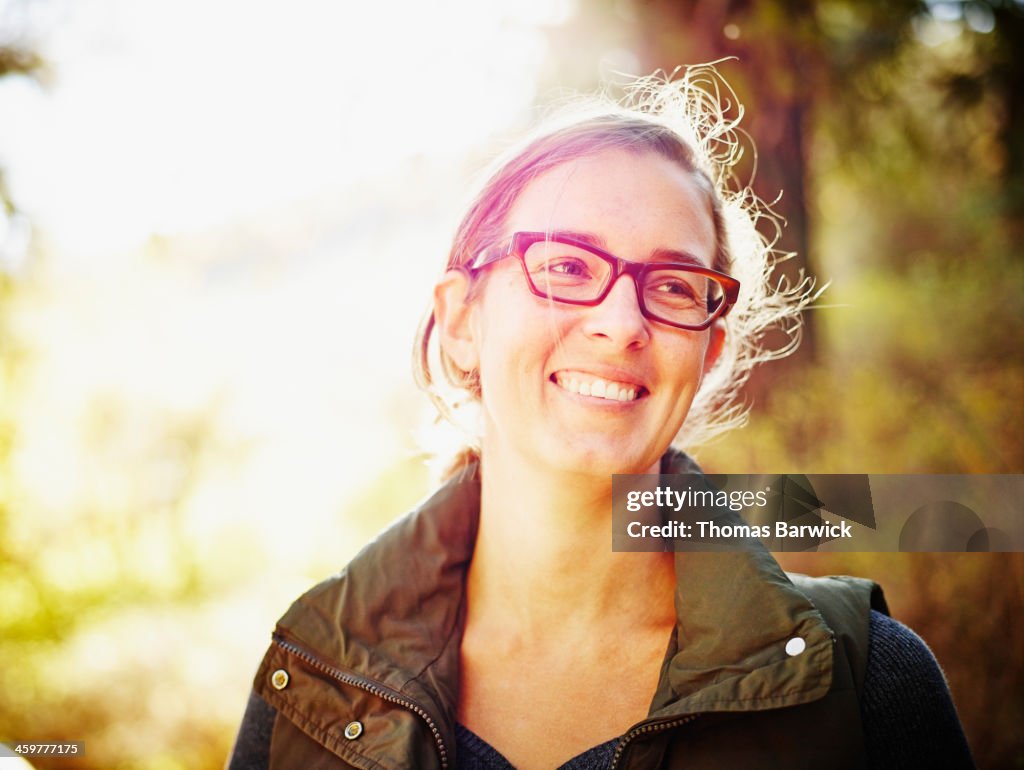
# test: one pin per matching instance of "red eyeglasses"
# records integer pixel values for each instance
(567, 269)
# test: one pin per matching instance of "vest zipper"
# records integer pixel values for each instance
(380, 691)
(643, 729)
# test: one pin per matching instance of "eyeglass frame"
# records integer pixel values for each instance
(519, 242)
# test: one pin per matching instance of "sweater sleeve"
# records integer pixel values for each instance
(906, 708)
(252, 746)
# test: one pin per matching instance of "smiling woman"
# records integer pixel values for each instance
(528, 352)
(685, 127)
(602, 301)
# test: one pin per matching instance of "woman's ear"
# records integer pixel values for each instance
(716, 343)
(453, 316)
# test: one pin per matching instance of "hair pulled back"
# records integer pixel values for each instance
(686, 120)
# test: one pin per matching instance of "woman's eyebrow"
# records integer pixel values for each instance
(591, 239)
(658, 255)
(672, 255)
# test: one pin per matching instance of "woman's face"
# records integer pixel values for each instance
(534, 355)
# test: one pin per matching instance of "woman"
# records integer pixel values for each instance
(602, 301)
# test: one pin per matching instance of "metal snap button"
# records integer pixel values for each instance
(279, 679)
(795, 646)
(353, 730)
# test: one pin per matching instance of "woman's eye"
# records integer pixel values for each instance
(679, 289)
(566, 266)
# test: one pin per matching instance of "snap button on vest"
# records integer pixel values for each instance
(795, 646)
(279, 679)
(353, 730)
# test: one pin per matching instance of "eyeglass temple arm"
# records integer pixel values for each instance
(488, 256)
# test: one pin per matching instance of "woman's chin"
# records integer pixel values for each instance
(601, 458)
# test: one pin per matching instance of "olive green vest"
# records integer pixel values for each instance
(363, 671)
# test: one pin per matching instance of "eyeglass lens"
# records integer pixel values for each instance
(570, 273)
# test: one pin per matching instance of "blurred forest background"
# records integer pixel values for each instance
(199, 421)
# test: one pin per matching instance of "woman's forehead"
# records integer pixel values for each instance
(633, 202)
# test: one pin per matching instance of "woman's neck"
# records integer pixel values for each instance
(544, 555)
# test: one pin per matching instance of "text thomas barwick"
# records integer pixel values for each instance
(709, 529)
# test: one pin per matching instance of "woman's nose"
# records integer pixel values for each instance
(618, 318)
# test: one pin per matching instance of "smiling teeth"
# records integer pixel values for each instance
(598, 388)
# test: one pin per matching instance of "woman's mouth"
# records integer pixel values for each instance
(596, 387)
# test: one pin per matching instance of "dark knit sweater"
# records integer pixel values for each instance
(908, 716)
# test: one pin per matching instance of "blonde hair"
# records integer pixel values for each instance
(685, 119)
